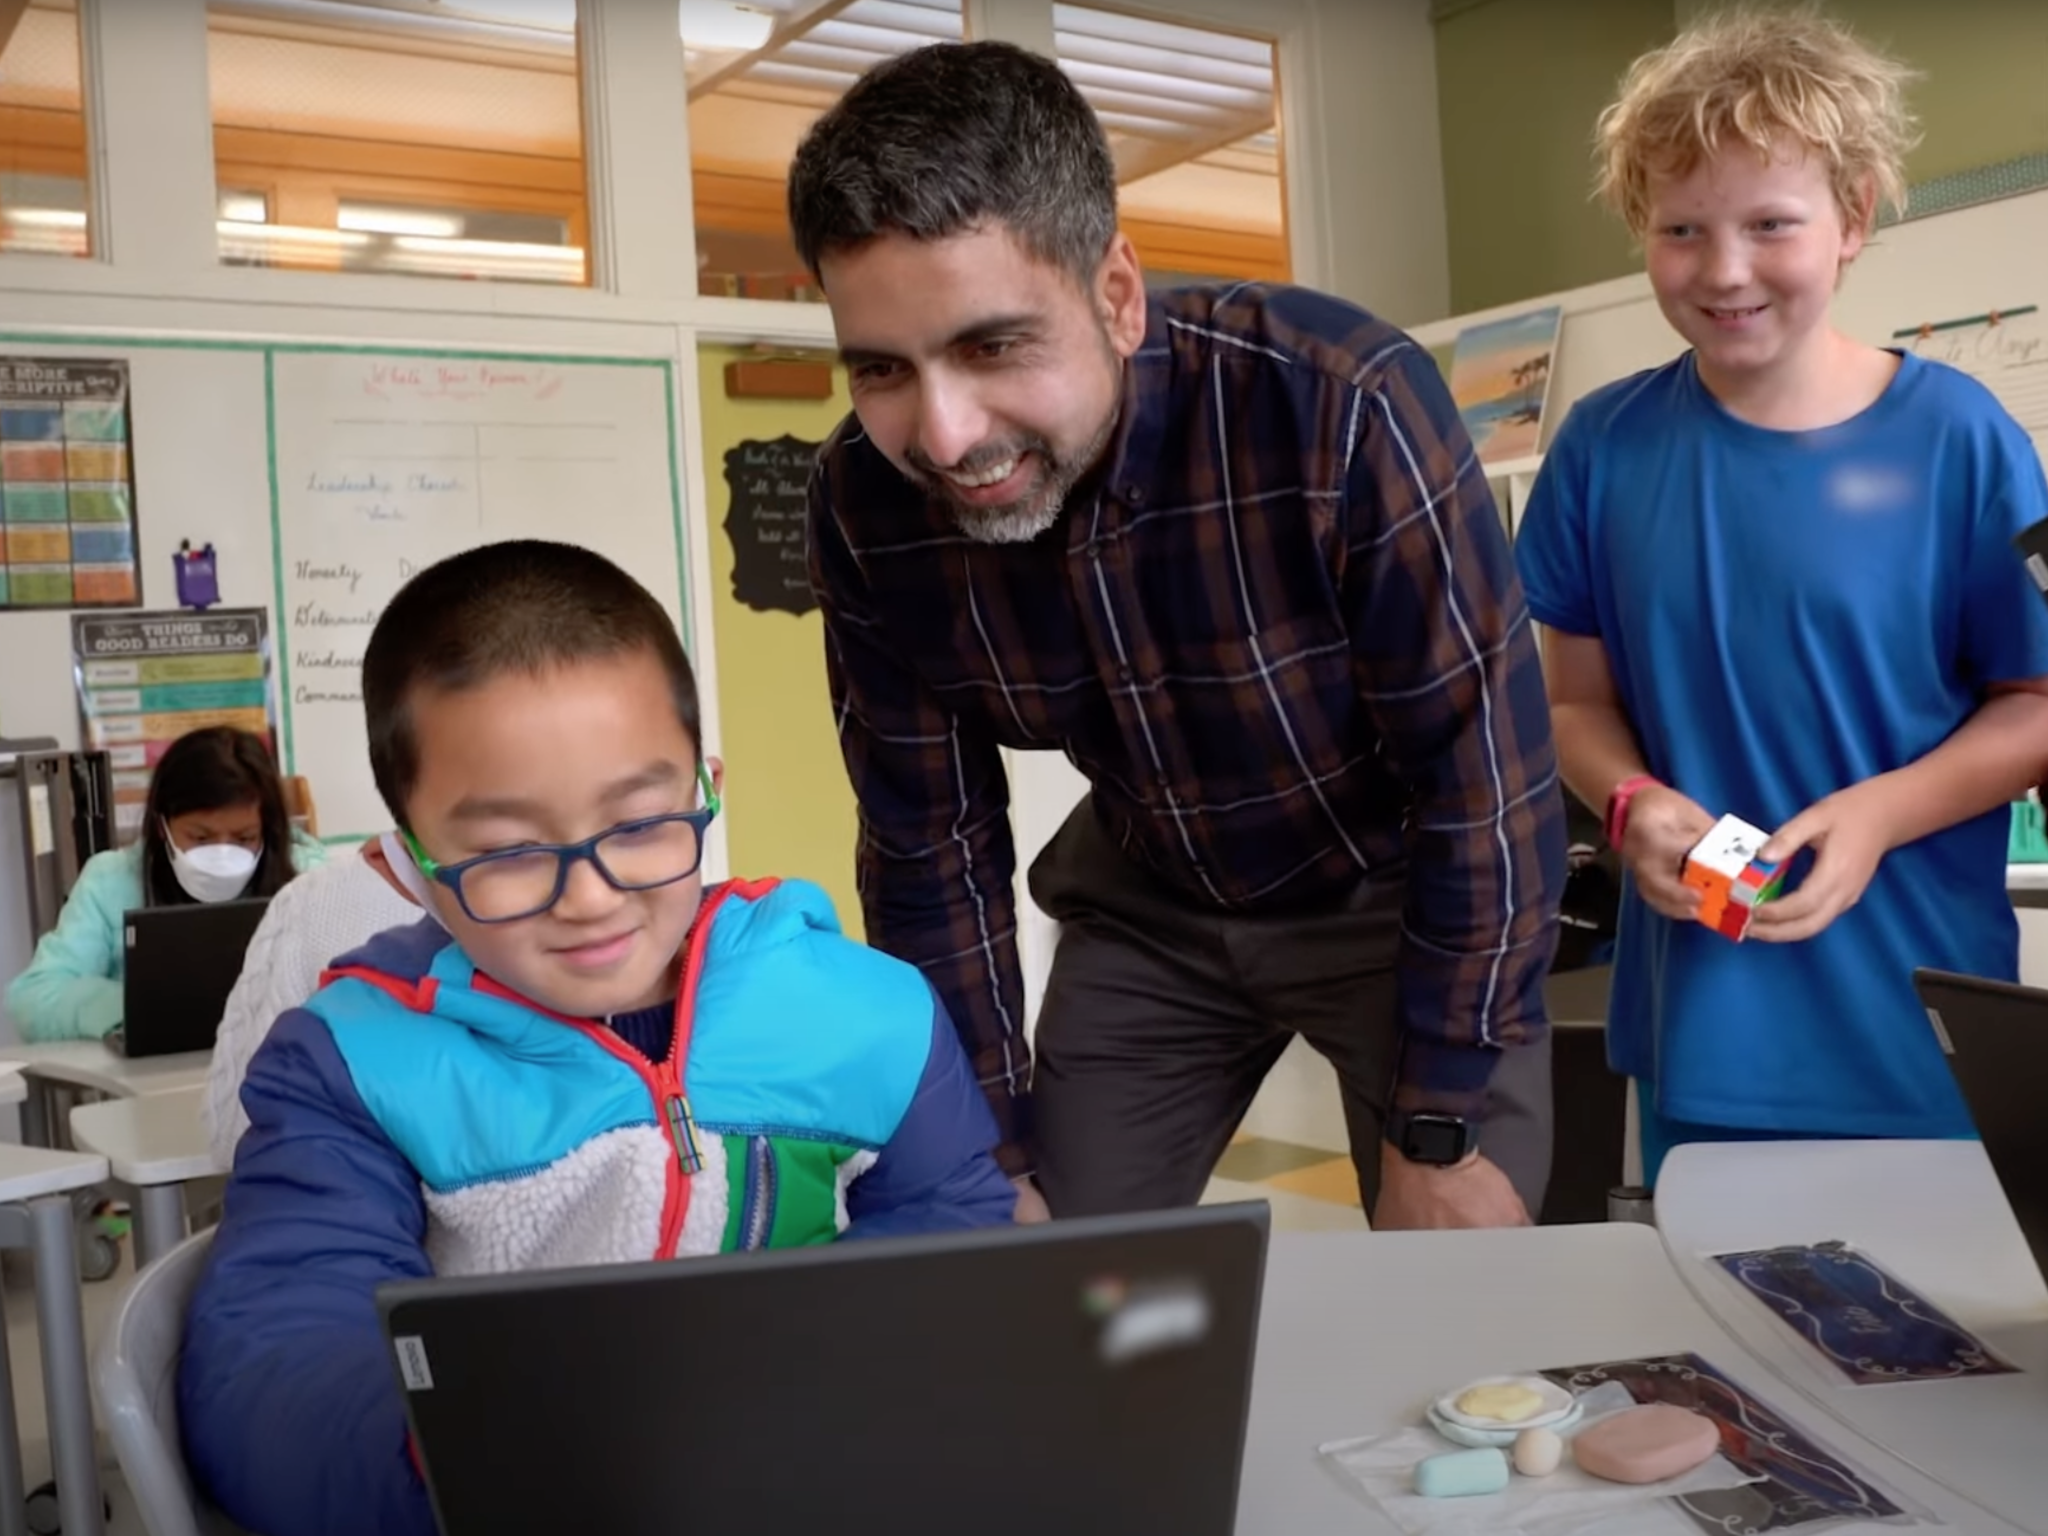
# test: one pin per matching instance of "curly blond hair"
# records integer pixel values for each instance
(1759, 78)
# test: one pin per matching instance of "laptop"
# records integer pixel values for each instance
(1085, 1375)
(181, 964)
(1996, 1037)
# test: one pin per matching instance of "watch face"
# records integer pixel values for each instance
(1436, 1139)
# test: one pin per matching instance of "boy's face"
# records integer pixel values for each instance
(989, 378)
(1744, 257)
(557, 758)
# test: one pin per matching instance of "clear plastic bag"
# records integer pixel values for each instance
(1566, 1503)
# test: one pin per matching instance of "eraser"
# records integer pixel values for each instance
(1646, 1444)
(1461, 1474)
(1538, 1452)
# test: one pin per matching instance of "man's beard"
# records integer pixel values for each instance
(1022, 520)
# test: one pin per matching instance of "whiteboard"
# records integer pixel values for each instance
(386, 461)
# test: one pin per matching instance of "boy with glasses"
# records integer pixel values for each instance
(588, 1058)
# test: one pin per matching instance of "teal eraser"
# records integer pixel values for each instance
(1458, 1474)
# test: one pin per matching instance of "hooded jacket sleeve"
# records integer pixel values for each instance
(292, 1416)
(938, 1172)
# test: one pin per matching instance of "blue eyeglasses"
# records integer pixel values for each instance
(513, 883)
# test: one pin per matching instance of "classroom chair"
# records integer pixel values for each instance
(136, 1375)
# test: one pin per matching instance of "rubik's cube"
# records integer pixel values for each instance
(1732, 881)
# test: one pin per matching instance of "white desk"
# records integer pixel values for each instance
(1932, 1213)
(1359, 1331)
(155, 1144)
(91, 1066)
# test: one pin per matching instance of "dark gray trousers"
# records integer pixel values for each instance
(1161, 1019)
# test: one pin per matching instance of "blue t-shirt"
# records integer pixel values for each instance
(1787, 614)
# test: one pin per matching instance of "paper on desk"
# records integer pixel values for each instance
(1567, 1503)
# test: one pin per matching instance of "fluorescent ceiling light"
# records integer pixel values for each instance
(244, 208)
(271, 236)
(720, 26)
(46, 218)
(375, 219)
(548, 15)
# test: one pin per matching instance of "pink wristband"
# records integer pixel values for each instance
(1617, 807)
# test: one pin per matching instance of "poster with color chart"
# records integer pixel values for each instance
(1500, 378)
(145, 679)
(67, 485)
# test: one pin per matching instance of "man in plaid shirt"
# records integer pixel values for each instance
(1230, 550)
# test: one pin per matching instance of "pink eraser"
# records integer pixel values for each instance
(1646, 1444)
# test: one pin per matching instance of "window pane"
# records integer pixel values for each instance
(354, 136)
(42, 130)
(750, 105)
(1191, 119)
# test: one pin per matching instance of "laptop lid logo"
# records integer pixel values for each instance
(413, 1369)
(1147, 1318)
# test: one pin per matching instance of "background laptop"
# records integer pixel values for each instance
(1996, 1035)
(1081, 1376)
(181, 964)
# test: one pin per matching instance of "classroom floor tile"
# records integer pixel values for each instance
(1255, 1158)
(1291, 1213)
(1333, 1179)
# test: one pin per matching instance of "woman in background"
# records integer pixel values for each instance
(215, 829)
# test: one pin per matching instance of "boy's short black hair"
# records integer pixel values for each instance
(521, 606)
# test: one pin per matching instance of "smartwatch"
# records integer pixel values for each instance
(1438, 1141)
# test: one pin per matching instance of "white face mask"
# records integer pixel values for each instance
(399, 857)
(213, 871)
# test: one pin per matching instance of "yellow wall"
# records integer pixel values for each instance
(790, 806)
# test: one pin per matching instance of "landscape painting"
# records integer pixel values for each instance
(1500, 377)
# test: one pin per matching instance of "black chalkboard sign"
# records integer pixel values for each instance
(769, 483)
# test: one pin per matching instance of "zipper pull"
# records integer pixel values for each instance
(682, 1130)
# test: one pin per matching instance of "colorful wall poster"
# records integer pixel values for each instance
(67, 485)
(145, 679)
(1500, 377)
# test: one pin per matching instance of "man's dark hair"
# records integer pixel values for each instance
(522, 606)
(950, 137)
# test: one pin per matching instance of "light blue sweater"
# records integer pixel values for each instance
(72, 989)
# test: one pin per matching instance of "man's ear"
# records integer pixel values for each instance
(1120, 296)
(715, 766)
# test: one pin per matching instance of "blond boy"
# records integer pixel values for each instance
(1777, 581)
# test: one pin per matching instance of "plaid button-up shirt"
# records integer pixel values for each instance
(1281, 634)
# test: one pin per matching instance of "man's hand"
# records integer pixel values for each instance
(1663, 827)
(1416, 1197)
(1031, 1207)
(1850, 832)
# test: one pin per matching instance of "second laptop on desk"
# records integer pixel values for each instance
(181, 964)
